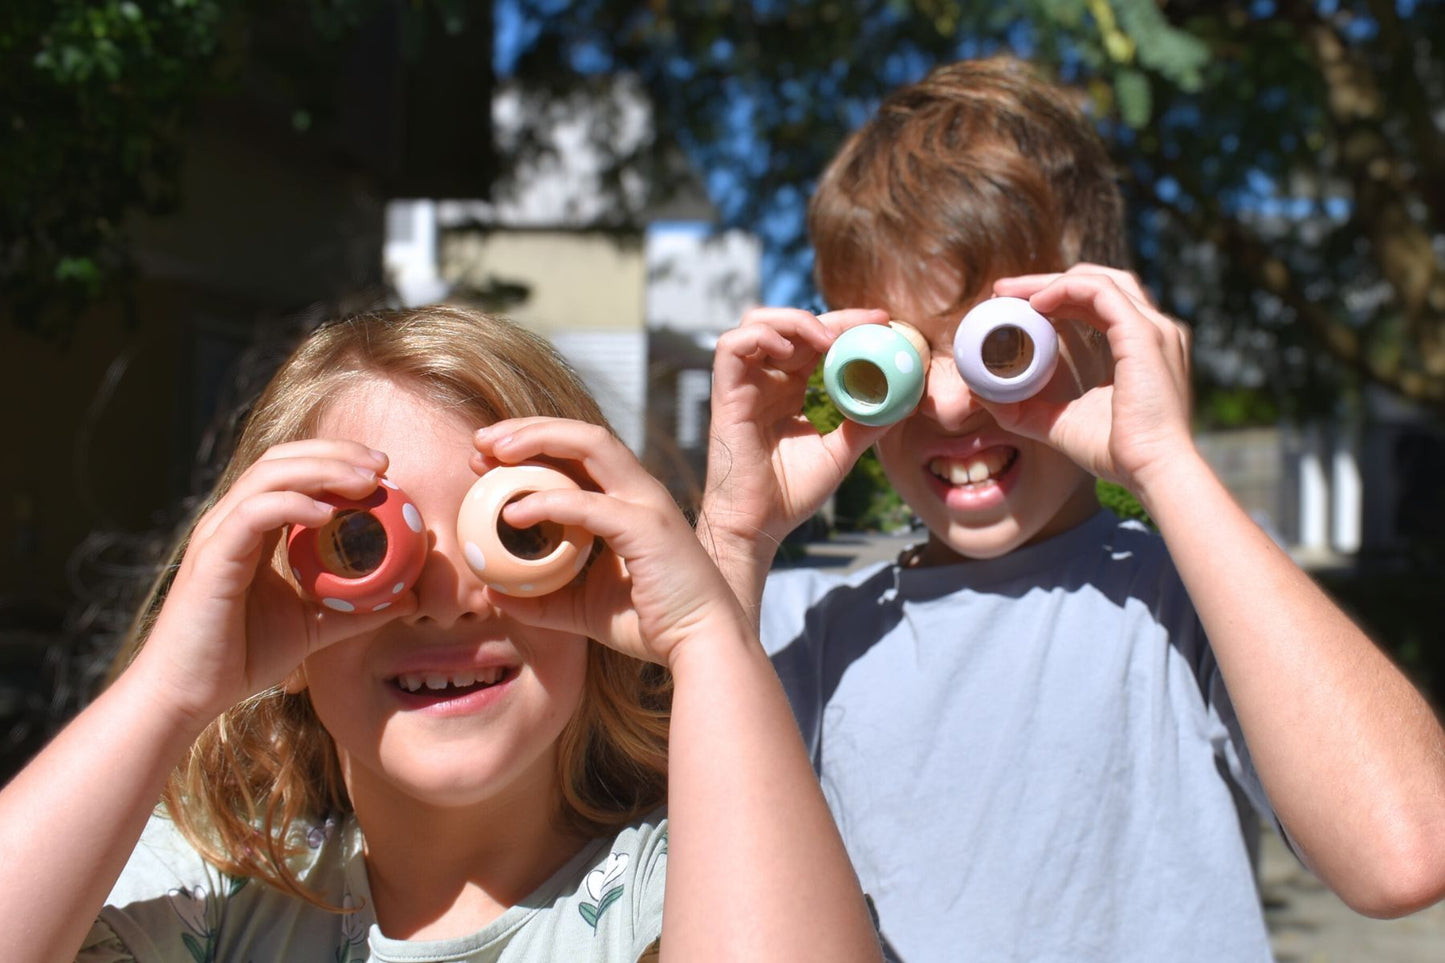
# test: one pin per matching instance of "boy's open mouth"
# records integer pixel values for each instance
(979, 469)
(450, 685)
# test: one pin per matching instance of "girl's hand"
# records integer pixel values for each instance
(653, 586)
(231, 625)
(1133, 423)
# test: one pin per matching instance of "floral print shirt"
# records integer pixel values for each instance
(169, 906)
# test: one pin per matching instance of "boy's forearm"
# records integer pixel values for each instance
(1350, 753)
(744, 559)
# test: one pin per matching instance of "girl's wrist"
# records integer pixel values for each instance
(725, 635)
(150, 684)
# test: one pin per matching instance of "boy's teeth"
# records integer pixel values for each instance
(970, 471)
(461, 679)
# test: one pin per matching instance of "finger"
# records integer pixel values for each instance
(332, 627)
(310, 474)
(340, 448)
(839, 321)
(847, 443)
(601, 455)
(1127, 281)
(238, 534)
(1101, 303)
(762, 345)
(1027, 285)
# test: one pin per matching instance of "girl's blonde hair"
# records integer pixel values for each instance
(267, 765)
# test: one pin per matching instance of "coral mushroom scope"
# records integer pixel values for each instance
(368, 554)
(874, 372)
(523, 562)
(1005, 350)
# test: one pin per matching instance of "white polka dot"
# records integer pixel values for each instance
(475, 558)
(497, 588)
(398, 588)
(296, 572)
(876, 334)
(532, 468)
(525, 587)
(381, 606)
(903, 361)
(389, 484)
(340, 605)
(412, 516)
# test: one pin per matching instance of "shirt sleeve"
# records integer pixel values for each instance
(103, 946)
(650, 881)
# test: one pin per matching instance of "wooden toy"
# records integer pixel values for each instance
(1005, 350)
(522, 562)
(874, 372)
(370, 552)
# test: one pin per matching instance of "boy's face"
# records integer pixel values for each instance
(983, 491)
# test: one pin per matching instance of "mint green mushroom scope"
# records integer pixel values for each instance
(874, 372)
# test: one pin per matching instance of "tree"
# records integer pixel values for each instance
(1282, 158)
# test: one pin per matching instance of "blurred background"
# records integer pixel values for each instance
(187, 184)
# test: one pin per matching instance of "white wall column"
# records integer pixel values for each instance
(1346, 492)
(1314, 491)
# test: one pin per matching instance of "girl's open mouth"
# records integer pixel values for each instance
(424, 688)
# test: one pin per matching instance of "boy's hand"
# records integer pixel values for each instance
(768, 468)
(1134, 422)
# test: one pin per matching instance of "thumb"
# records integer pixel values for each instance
(847, 443)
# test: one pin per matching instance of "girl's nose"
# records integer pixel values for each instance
(947, 399)
(446, 590)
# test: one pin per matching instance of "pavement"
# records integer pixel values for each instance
(1307, 922)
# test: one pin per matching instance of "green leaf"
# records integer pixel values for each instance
(1131, 92)
(197, 949)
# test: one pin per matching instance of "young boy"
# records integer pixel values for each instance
(1047, 734)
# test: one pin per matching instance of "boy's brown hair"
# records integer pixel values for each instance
(981, 170)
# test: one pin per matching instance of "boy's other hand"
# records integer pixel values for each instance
(1131, 421)
(768, 467)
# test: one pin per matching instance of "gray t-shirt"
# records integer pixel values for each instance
(1030, 758)
(603, 906)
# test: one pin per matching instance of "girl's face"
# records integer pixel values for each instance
(454, 705)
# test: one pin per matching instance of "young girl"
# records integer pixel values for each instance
(321, 804)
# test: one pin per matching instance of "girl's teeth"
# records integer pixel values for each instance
(415, 682)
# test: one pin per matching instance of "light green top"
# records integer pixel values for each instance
(169, 906)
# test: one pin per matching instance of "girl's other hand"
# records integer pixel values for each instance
(653, 586)
(232, 625)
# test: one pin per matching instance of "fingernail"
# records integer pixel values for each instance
(366, 473)
(326, 507)
(378, 456)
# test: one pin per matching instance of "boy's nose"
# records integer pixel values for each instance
(947, 398)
